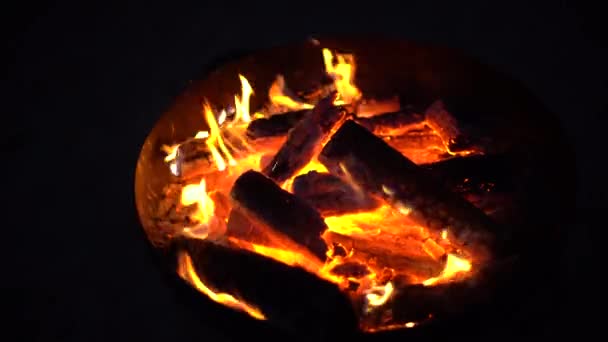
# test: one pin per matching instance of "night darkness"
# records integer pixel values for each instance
(90, 81)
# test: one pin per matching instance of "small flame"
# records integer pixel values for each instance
(186, 270)
(171, 152)
(378, 295)
(444, 234)
(242, 103)
(453, 266)
(215, 138)
(343, 74)
(197, 194)
(278, 96)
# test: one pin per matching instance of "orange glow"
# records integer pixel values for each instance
(186, 270)
(313, 165)
(453, 266)
(215, 138)
(278, 96)
(377, 296)
(197, 194)
(343, 74)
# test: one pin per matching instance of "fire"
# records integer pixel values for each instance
(186, 270)
(242, 103)
(343, 74)
(453, 267)
(278, 96)
(383, 223)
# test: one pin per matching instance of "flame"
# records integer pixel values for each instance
(343, 74)
(215, 138)
(278, 96)
(197, 194)
(186, 270)
(377, 296)
(454, 265)
(242, 103)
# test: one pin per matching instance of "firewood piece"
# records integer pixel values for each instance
(193, 159)
(476, 174)
(276, 125)
(415, 140)
(379, 169)
(414, 303)
(289, 297)
(404, 255)
(305, 140)
(263, 202)
(351, 270)
(330, 195)
(390, 124)
(444, 123)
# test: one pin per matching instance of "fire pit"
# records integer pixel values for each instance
(352, 184)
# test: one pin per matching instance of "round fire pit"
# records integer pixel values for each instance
(356, 186)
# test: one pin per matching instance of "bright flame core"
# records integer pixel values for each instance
(343, 74)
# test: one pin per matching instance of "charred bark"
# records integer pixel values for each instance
(390, 124)
(276, 125)
(305, 140)
(415, 140)
(289, 297)
(383, 171)
(330, 195)
(265, 204)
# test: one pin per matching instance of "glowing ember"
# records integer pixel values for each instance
(379, 295)
(453, 267)
(186, 270)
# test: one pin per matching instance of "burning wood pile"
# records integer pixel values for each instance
(324, 204)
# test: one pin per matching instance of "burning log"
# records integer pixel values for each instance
(379, 169)
(193, 159)
(266, 205)
(276, 125)
(330, 195)
(403, 255)
(391, 124)
(444, 123)
(415, 139)
(305, 140)
(289, 297)
(476, 174)
(416, 303)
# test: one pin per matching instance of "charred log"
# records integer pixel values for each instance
(305, 140)
(415, 140)
(265, 204)
(290, 297)
(276, 125)
(444, 123)
(383, 171)
(330, 195)
(404, 255)
(416, 303)
(193, 159)
(392, 123)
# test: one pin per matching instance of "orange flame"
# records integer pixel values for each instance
(378, 295)
(454, 265)
(343, 74)
(242, 103)
(278, 96)
(186, 270)
(215, 138)
(197, 194)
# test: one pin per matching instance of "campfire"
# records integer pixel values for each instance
(370, 207)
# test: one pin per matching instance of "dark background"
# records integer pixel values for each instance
(86, 83)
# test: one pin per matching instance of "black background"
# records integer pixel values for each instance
(86, 83)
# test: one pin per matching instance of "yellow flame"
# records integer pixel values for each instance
(197, 194)
(242, 103)
(379, 295)
(171, 151)
(343, 74)
(277, 95)
(453, 266)
(186, 270)
(215, 138)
